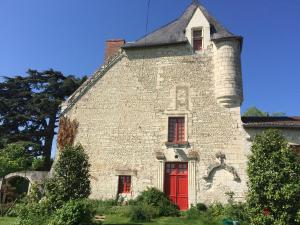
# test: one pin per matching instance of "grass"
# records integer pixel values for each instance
(120, 220)
(115, 219)
(8, 220)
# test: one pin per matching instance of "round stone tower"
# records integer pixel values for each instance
(227, 72)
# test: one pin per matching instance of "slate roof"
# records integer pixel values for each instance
(174, 32)
(271, 122)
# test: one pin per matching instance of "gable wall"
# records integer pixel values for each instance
(123, 122)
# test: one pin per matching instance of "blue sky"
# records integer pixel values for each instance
(69, 35)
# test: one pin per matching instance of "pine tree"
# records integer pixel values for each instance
(30, 107)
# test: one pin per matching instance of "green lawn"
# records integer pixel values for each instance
(8, 220)
(119, 220)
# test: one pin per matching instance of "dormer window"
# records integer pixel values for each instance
(197, 36)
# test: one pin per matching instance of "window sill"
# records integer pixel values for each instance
(185, 144)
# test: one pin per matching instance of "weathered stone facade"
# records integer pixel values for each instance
(123, 113)
(123, 123)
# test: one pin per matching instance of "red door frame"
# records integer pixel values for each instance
(176, 183)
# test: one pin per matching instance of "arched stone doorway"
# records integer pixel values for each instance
(33, 177)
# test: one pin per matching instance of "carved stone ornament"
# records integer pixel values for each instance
(181, 97)
(193, 155)
(160, 156)
(221, 165)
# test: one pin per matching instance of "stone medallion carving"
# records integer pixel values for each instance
(182, 98)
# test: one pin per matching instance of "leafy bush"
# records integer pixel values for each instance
(74, 212)
(159, 200)
(14, 157)
(103, 206)
(70, 180)
(201, 207)
(142, 212)
(196, 211)
(216, 209)
(233, 211)
(69, 183)
(192, 213)
(34, 213)
(274, 180)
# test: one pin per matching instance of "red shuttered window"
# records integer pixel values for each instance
(176, 130)
(197, 40)
(124, 184)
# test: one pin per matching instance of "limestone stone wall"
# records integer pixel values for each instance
(123, 122)
(228, 74)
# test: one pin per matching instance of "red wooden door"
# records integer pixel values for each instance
(176, 184)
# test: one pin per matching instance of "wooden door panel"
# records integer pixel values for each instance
(176, 184)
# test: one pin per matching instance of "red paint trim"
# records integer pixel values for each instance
(176, 183)
(176, 130)
(124, 184)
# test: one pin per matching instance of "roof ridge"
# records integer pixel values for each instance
(98, 74)
(173, 32)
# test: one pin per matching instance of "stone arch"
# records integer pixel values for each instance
(213, 168)
(34, 177)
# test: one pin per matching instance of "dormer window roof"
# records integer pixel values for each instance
(174, 32)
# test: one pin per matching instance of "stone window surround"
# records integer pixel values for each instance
(176, 114)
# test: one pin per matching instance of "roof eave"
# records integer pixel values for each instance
(257, 126)
(152, 45)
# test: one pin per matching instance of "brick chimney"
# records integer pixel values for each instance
(112, 47)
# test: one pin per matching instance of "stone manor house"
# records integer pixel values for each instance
(164, 112)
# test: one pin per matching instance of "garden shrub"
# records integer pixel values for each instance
(274, 180)
(74, 212)
(201, 207)
(70, 180)
(216, 209)
(142, 212)
(34, 213)
(64, 201)
(192, 213)
(232, 211)
(159, 200)
(237, 212)
(103, 206)
(196, 211)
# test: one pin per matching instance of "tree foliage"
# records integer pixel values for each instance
(253, 111)
(15, 157)
(30, 108)
(70, 180)
(274, 180)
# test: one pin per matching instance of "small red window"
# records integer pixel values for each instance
(197, 40)
(124, 184)
(176, 130)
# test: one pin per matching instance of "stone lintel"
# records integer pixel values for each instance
(125, 172)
